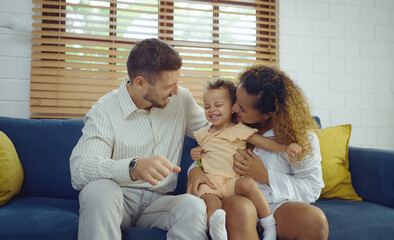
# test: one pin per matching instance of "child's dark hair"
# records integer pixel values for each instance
(219, 83)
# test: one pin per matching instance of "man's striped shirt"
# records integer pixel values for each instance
(116, 131)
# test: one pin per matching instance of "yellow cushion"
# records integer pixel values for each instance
(334, 147)
(11, 172)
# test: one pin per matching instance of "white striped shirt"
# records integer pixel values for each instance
(116, 131)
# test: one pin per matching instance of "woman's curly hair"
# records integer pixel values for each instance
(291, 118)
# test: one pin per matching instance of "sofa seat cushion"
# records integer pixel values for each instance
(140, 233)
(357, 219)
(39, 219)
(53, 218)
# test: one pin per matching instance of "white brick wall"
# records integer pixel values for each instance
(15, 61)
(344, 13)
(385, 32)
(341, 52)
(350, 46)
(344, 48)
(345, 83)
(375, 15)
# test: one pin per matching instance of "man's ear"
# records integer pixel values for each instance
(140, 82)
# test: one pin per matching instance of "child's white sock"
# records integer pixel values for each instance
(217, 225)
(268, 224)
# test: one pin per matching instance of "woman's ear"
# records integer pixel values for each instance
(267, 115)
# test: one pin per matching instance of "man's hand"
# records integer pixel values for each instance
(154, 169)
(197, 177)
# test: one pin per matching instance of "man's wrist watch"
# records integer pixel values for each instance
(132, 166)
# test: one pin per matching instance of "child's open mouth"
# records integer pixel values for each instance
(215, 116)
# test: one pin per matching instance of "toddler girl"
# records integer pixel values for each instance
(217, 145)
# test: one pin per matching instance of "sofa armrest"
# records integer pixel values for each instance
(372, 172)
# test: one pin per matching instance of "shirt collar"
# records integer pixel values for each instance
(126, 102)
(269, 133)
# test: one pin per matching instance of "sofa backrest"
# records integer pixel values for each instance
(186, 161)
(44, 148)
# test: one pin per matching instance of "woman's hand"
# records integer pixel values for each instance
(196, 178)
(249, 164)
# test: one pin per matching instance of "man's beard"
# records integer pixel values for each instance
(150, 97)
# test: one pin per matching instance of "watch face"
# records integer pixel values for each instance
(133, 163)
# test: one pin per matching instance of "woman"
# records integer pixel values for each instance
(267, 99)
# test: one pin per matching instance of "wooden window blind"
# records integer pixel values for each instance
(80, 47)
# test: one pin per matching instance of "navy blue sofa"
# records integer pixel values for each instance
(47, 206)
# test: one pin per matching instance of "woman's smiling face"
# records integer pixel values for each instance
(244, 107)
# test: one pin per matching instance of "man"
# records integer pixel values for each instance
(128, 157)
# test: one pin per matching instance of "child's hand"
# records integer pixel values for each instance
(293, 149)
(196, 153)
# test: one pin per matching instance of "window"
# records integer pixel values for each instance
(80, 47)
